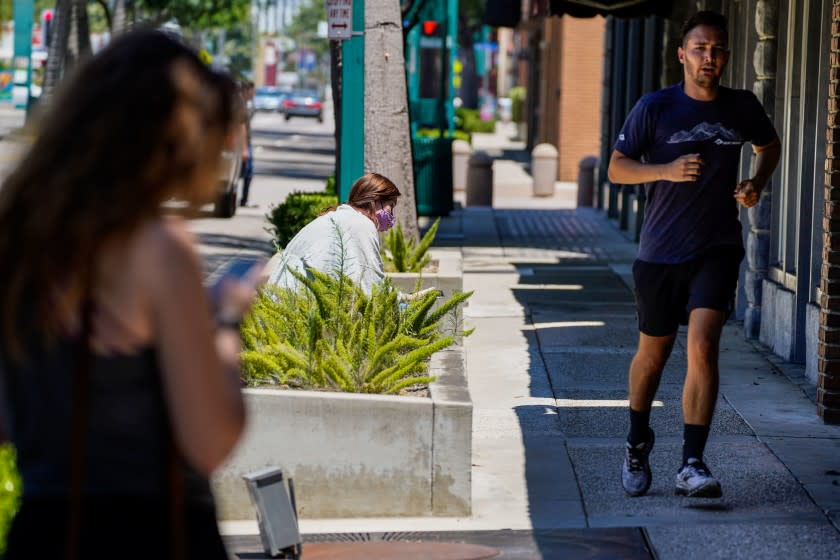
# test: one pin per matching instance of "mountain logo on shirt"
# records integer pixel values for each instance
(706, 131)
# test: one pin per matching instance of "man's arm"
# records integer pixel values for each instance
(625, 170)
(748, 192)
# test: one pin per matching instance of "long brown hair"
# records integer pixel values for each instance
(371, 188)
(105, 158)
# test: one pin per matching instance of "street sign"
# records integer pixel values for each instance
(339, 19)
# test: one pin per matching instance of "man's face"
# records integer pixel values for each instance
(704, 55)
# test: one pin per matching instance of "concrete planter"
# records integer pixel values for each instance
(354, 455)
(449, 278)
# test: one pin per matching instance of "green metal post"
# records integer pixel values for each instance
(451, 44)
(24, 19)
(352, 147)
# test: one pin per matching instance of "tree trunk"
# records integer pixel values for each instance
(335, 80)
(120, 20)
(70, 43)
(387, 131)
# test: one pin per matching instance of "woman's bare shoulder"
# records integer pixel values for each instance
(165, 237)
(164, 248)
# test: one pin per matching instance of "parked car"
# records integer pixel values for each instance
(303, 103)
(268, 99)
(231, 163)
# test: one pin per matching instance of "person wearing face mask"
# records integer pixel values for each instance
(344, 239)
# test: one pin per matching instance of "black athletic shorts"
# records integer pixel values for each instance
(666, 293)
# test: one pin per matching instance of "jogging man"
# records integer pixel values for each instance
(684, 142)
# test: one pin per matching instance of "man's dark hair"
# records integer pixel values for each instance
(712, 19)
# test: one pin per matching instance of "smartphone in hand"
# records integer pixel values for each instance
(237, 270)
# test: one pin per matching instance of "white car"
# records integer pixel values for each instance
(268, 99)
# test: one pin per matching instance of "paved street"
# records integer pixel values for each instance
(294, 155)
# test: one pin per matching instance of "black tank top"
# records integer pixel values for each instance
(128, 438)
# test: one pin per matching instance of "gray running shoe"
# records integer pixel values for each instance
(696, 481)
(635, 472)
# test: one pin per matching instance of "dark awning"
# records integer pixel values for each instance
(618, 8)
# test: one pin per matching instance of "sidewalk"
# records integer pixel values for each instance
(547, 365)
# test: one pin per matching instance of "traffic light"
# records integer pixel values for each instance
(431, 28)
(46, 27)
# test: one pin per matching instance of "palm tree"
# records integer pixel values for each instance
(387, 131)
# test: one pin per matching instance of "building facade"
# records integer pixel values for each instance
(564, 74)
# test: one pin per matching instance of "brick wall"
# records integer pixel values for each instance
(581, 71)
(828, 347)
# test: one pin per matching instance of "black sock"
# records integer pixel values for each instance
(694, 441)
(639, 427)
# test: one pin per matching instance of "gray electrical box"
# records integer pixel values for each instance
(274, 499)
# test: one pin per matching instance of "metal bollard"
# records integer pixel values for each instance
(461, 152)
(480, 180)
(586, 181)
(544, 169)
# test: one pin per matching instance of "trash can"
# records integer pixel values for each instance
(480, 180)
(432, 175)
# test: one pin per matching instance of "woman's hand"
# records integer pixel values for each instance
(234, 293)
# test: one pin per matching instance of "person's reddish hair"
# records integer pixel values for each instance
(371, 188)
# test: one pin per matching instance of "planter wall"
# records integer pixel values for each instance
(449, 278)
(353, 455)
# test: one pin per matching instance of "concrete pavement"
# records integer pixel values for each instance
(555, 332)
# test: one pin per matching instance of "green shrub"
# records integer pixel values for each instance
(299, 208)
(10, 490)
(402, 254)
(330, 187)
(329, 334)
(470, 121)
(435, 133)
(517, 101)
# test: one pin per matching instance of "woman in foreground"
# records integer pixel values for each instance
(121, 392)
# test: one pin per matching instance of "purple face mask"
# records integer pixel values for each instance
(385, 219)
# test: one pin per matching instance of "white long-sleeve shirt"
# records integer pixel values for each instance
(322, 243)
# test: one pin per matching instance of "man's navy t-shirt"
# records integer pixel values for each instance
(684, 220)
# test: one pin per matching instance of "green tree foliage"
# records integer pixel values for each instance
(239, 48)
(303, 28)
(404, 254)
(329, 334)
(197, 14)
(190, 14)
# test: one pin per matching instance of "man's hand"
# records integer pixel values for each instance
(683, 169)
(747, 193)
